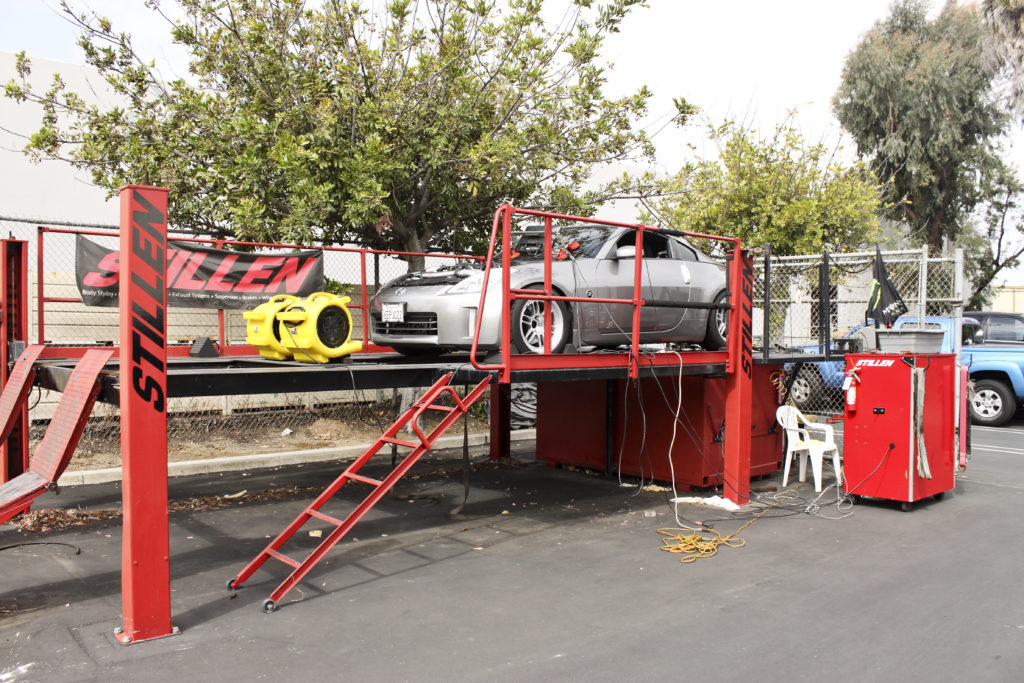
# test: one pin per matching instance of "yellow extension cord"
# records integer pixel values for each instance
(694, 546)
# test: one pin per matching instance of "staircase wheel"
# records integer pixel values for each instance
(269, 606)
(231, 584)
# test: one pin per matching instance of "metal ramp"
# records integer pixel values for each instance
(61, 437)
(16, 390)
(351, 473)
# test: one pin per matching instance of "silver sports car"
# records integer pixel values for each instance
(437, 310)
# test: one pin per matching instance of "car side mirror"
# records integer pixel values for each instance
(625, 252)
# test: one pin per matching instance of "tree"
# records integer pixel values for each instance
(997, 244)
(778, 191)
(402, 127)
(1005, 22)
(919, 99)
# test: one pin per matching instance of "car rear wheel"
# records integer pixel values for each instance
(806, 388)
(993, 403)
(718, 324)
(528, 325)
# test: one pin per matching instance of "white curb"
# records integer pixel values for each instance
(259, 460)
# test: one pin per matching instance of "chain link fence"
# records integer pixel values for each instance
(211, 426)
(818, 304)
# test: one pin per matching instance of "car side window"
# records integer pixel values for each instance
(655, 246)
(683, 252)
(1003, 328)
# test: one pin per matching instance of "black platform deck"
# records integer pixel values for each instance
(241, 375)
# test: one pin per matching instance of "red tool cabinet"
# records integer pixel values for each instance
(886, 425)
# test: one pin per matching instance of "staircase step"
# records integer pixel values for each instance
(409, 444)
(327, 518)
(284, 558)
(366, 480)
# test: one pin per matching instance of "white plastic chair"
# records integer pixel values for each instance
(799, 440)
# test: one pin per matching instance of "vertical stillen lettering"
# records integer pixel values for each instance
(148, 312)
(746, 320)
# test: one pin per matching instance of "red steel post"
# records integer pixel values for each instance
(505, 374)
(739, 383)
(145, 571)
(365, 309)
(13, 327)
(40, 294)
(547, 284)
(634, 345)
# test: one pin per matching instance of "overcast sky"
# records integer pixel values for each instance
(747, 59)
(751, 60)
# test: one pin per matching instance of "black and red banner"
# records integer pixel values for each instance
(203, 277)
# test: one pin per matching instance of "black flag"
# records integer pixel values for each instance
(884, 303)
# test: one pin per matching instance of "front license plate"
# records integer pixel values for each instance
(392, 313)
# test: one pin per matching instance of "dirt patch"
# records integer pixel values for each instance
(205, 435)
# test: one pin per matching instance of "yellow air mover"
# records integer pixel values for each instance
(317, 329)
(261, 328)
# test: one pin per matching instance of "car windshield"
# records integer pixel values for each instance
(582, 241)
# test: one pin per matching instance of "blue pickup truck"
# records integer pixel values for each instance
(997, 371)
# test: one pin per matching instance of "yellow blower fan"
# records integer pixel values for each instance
(317, 329)
(261, 327)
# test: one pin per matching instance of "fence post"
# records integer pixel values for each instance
(922, 286)
(766, 341)
(824, 319)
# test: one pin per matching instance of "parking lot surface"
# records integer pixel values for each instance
(546, 574)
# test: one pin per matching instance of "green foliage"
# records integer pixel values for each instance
(402, 127)
(918, 97)
(781, 191)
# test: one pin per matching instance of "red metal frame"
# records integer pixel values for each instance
(738, 357)
(145, 571)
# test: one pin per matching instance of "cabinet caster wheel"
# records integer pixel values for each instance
(905, 506)
(269, 606)
(940, 495)
(231, 584)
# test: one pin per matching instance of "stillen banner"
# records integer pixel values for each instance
(203, 277)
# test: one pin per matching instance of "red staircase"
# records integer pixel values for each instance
(61, 438)
(379, 488)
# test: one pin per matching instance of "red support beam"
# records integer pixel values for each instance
(13, 327)
(145, 571)
(739, 378)
(501, 420)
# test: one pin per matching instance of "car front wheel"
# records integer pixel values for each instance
(718, 324)
(528, 325)
(993, 403)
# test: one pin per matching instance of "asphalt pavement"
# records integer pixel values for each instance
(547, 574)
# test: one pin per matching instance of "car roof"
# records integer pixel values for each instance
(980, 315)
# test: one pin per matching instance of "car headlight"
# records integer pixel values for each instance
(473, 283)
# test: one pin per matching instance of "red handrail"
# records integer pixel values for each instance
(503, 217)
